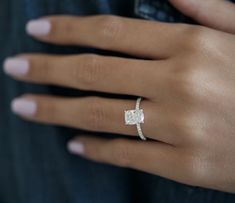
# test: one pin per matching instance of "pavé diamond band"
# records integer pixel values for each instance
(136, 117)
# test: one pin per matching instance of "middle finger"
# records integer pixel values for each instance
(89, 72)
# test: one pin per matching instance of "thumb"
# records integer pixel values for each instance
(218, 14)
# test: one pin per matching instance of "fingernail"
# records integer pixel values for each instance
(75, 147)
(16, 66)
(24, 107)
(38, 27)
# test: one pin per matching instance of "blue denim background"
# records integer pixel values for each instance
(34, 164)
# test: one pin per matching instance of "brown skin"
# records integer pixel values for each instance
(217, 14)
(188, 88)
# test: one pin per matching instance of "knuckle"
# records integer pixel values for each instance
(190, 81)
(62, 26)
(109, 28)
(68, 29)
(97, 115)
(191, 127)
(89, 72)
(47, 110)
(40, 68)
(180, 128)
(198, 38)
(180, 80)
(122, 153)
(198, 167)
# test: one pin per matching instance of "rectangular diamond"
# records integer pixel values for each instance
(132, 117)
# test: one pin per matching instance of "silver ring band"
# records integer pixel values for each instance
(136, 117)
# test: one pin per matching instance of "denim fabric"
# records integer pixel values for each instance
(158, 10)
(34, 164)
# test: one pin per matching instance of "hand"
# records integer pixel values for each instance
(187, 81)
(218, 14)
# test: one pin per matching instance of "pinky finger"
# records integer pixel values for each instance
(151, 157)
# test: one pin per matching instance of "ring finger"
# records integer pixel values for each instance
(93, 114)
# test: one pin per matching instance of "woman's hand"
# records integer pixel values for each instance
(188, 86)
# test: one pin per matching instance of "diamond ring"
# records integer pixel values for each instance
(136, 117)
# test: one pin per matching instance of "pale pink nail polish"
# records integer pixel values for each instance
(38, 27)
(16, 66)
(24, 107)
(75, 147)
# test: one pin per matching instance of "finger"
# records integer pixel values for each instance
(88, 72)
(152, 157)
(218, 14)
(94, 114)
(136, 37)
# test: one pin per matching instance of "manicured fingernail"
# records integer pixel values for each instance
(38, 27)
(24, 107)
(75, 147)
(16, 66)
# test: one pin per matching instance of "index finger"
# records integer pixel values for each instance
(136, 37)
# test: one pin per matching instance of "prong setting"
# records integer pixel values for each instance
(136, 117)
